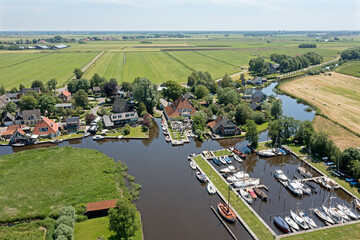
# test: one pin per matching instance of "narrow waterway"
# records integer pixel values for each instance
(174, 205)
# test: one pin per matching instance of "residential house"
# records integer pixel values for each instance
(24, 91)
(13, 97)
(19, 118)
(21, 137)
(46, 128)
(60, 46)
(120, 105)
(258, 81)
(10, 130)
(65, 96)
(107, 122)
(41, 47)
(224, 127)
(31, 117)
(189, 96)
(123, 118)
(258, 96)
(273, 68)
(72, 124)
(96, 89)
(64, 106)
(180, 107)
(3, 100)
(255, 106)
(8, 119)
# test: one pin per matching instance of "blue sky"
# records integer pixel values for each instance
(124, 15)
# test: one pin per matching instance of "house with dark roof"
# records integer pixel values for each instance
(72, 124)
(24, 91)
(3, 100)
(189, 96)
(64, 106)
(224, 127)
(31, 117)
(258, 81)
(180, 107)
(46, 128)
(8, 119)
(96, 89)
(273, 68)
(65, 96)
(107, 122)
(19, 118)
(120, 105)
(260, 95)
(255, 106)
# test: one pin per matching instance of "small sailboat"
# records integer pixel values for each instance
(323, 216)
(279, 174)
(167, 138)
(291, 223)
(281, 224)
(304, 172)
(307, 219)
(211, 188)
(340, 213)
(252, 193)
(201, 177)
(260, 194)
(347, 211)
(357, 203)
(246, 182)
(227, 159)
(216, 161)
(222, 160)
(229, 169)
(226, 212)
(299, 220)
(334, 216)
(266, 154)
(246, 196)
(193, 164)
(237, 158)
(306, 189)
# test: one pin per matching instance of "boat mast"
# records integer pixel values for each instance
(228, 207)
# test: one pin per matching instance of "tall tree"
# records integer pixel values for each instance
(258, 66)
(38, 84)
(10, 107)
(110, 89)
(28, 102)
(173, 90)
(81, 98)
(226, 81)
(201, 91)
(146, 92)
(252, 134)
(243, 113)
(141, 109)
(46, 104)
(51, 84)
(78, 73)
(276, 109)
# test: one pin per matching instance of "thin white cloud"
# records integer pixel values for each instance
(258, 3)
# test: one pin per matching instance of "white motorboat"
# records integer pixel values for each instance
(211, 188)
(266, 153)
(86, 135)
(340, 213)
(237, 158)
(229, 169)
(304, 172)
(98, 137)
(246, 196)
(323, 216)
(292, 223)
(347, 211)
(238, 176)
(193, 164)
(307, 219)
(191, 156)
(306, 189)
(295, 187)
(332, 215)
(222, 160)
(299, 220)
(279, 174)
(246, 182)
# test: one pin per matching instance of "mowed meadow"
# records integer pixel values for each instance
(160, 61)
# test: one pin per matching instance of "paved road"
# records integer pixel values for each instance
(96, 108)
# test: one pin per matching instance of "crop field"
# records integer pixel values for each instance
(109, 66)
(337, 96)
(352, 68)
(55, 177)
(231, 57)
(56, 65)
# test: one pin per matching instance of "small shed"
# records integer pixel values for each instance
(99, 209)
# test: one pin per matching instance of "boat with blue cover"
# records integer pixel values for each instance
(281, 224)
(216, 161)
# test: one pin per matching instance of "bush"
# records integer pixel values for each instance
(144, 128)
(126, 130)
(67, 220)
(259, 118)
(63, 232)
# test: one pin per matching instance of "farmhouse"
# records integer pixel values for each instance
(258, 96)
(31, 117)
(18, 118)
(223, 126)
(255, 106)
(8, 119)
(97, 209)
(180, 107)
(65, 96)
(258, 80)
(46, 128)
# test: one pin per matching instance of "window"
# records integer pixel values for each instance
(43, 129)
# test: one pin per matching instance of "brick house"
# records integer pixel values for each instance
(223, 126)
(46, 128)
(65, 96)
(180, 107)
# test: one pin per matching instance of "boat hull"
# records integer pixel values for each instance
(226, 212)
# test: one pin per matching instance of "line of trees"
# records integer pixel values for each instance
(351, 54)
(307, 45)
(288, 63)
(65, 224)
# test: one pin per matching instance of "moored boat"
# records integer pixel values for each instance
(98, 137)
(340, 213)
(299, 220)
(279, 174)
(227, 159)
(237, 176)
(237, 158)
(222, 160)
(306, 189)
(260, 194)
(167, 138)
(191, 156)
(266, 153)
(193, 164)
(216, 161)
(312, 186)
(211, 188)
(357, 203)
(323, 216)
(307, 219)
(246, 196)
(86, 134)
(239, 153)
(226, 212)
(246, 182)
(252, 193)
(332, 215)
(201, 177)
(295, 187)
(304, 172)
(229, 169)
(291, 223)
(281, 224)
(347, 211)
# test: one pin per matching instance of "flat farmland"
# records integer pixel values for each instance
(10, 59)
(337, 96)
(156, 66)
(231, 57)
(199, 62)
(56, 65)
(352, 69)
(109, 66)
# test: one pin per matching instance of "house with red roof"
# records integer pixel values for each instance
(10, 130)
(65, 96)
(180, 107)
(46, 128)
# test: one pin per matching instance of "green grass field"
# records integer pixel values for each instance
(110, 65)
(35, 183)
(352, 68)
(56, 65)
(25, 231)
(99, 227)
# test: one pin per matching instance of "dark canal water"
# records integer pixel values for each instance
(174, 205)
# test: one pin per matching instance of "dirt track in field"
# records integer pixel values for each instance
(338, 96)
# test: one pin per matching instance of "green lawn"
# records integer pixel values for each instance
(252, 221)
(137, 132)
(177, 136)
(352, 68)
(35, 183)
(57, 65)
(71, 135)
(98, 227)
(222, 152)
(25, 231)
(237, 59)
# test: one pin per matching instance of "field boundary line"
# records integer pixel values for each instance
(88, 66)
(28, 60)
(171, 56)
(219, 60)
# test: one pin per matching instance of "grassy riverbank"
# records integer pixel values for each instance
(36, 183)
(25, 231)
(254, 223)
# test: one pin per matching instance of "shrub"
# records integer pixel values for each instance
(259, 118)
(64, 232)
(67, 220)
(126, 130)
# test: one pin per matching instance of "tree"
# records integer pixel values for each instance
(258, 66)
(46, 104)
(275, 131)
(96, 80)
(199, 120)
(78, 73)
(38, 84)
(21, 87)
(346, 159)
(89, 117)
(28, 103)
(14, 90)
(259, 118)
(276, 109)
(201, 91)
(226, 81)
(81, 98)
(243, 113)
(126, 86)
(2, 90)
(51, 84)
(82, 84)
(173, 90)
(63, 232)
(141, 109)
(114, 80)
(304, 132)
(10, 107)
(242, 76)
(228, 95)
(110, 89)
(122, 220)
(252, 134)
(145, 92)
